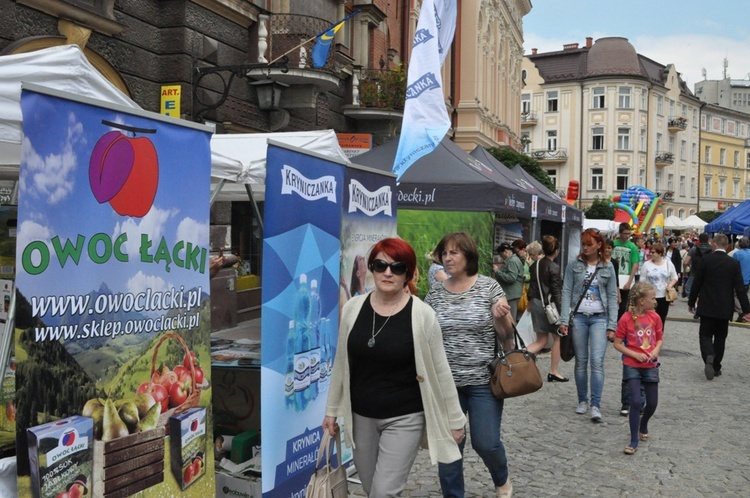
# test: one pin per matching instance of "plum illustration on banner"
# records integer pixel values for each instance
(124, 171)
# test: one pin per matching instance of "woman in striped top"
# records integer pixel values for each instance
(472, 311)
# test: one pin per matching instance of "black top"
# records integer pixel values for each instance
(383, 377)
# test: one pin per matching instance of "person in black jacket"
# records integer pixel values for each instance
(550, 282)
(717, 278)
(673, 253)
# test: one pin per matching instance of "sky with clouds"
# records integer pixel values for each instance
(690, 34)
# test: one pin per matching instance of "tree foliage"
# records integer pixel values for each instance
(709, 216)
(511, 158)
(600, 210)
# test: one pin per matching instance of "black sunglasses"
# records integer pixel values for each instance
(397, 267)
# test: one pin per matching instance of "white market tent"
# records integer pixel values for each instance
(693, 222)
(674, 223)
(608, 228)
(235, 159)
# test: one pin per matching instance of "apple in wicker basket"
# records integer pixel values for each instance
(159, 393)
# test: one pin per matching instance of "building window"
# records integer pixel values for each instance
(597, 138)
(552, 101)
(642, 177)
(658, 142)
(682, 185)
(693, 186)
(747, 190)
(597, 178)
(669, 212)
(723, 156)
(707, 186)
(707, 155)
(623, 138)
(683, 113)
(623, 98)
(552, 174)
(658, 181)
(681, 213)
(722, 188)
(747, 161)
(694, 152)
(644, 100)
(736, 189)
(623, 176)
(723, 126)
(643, 141)
(671, 107)
(598, 100)
(671, 145)
(683, 150)
(659, 105)
(526, 141)
(670, 182)
(552, 140)
(695, 118)
(736, 159)
(525, 103)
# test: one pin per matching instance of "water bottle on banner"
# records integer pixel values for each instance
(302, 348)
(314, 334)
(291, 348)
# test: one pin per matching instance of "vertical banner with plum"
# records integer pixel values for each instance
(300, 311)
(112, 317)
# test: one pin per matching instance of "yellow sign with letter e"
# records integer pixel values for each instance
(170, 100)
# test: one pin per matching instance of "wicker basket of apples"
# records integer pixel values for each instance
(179, 388)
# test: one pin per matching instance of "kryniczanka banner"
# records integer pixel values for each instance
(113, 313)
(299, 324)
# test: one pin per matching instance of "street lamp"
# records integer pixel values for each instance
(269, 94)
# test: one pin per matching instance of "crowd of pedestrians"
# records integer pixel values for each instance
(409, 372)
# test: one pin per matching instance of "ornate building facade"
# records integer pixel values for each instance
(611, 118)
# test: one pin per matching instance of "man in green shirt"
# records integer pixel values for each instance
(628, 258)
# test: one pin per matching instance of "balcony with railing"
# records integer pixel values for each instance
(549, 156)
(284, 35)
(378, 95)
(664, 158)
(528, 118)
(676, 123)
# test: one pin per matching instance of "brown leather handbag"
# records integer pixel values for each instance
(514, 373)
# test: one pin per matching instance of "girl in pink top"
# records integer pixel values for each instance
(639, 339)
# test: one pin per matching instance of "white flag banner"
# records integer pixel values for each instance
(426, 119)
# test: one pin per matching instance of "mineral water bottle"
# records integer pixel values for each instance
(291, 344)
(314, 334)
(302, 349)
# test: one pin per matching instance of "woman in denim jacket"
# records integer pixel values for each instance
(594, 322)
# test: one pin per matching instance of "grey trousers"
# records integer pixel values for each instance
(385, 450)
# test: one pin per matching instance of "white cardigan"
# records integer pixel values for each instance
(442, 409)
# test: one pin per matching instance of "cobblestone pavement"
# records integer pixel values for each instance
(700, 435)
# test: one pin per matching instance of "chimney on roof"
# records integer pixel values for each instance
(534, 51)
(589, 41)
(570, 46)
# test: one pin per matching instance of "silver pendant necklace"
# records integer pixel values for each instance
(371, 341)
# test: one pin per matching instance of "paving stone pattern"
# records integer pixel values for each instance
(700, 435)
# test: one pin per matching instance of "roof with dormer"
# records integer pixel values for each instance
(608, 57)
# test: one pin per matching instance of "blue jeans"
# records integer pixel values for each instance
(485, 417)
(590, 341)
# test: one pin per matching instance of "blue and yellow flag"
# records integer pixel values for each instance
(324, 41)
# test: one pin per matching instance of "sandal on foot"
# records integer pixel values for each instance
(629, 450)
(643, 436)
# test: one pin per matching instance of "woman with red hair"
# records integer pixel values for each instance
(391, 381)
(589, 299)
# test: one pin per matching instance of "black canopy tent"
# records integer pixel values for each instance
(557, 217)
(550, 205)
(449, 179)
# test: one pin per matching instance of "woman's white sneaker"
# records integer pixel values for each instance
(583, 407)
